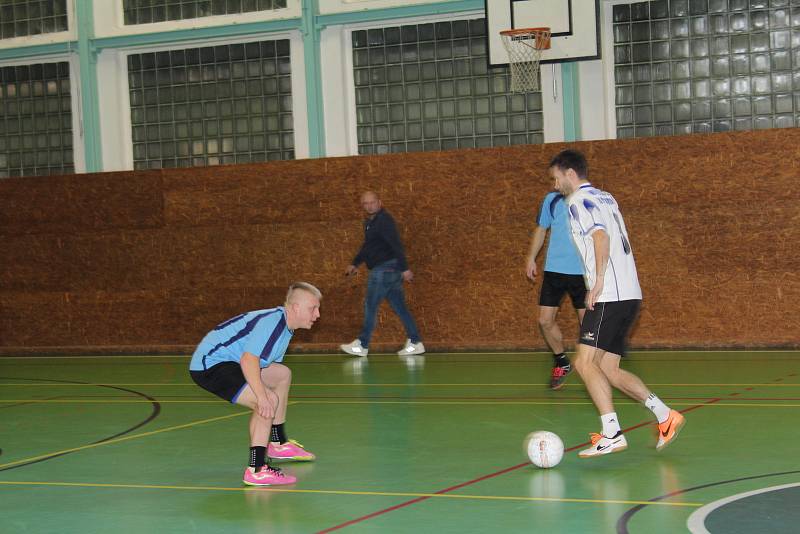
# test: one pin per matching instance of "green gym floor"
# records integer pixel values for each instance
(430, 444)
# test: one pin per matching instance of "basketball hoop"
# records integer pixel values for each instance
(525, 47)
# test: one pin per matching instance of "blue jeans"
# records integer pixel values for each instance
(386, 282)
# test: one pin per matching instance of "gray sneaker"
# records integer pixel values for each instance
(354, 348)
(411, 349)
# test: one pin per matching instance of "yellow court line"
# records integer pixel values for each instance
(125, 438)
(106, 401)
(344, 492)
(405, 384)
(720, 402)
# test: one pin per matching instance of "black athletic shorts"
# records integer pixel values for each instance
(224, 380)
(554, 285)
(606, 327)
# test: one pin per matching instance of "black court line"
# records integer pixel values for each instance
(156, 411)
(622, 523)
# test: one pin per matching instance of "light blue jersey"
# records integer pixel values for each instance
(562, 256)
(262, 333)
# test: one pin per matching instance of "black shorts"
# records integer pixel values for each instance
(224, 380)
(554, 285)
(606, 327)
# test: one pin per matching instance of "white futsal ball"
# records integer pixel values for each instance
(544, 449)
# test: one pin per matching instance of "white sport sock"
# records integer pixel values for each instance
(659, 409)
(610, 424)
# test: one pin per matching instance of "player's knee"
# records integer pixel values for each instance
(581, 362)
(547, 322)
(285, 374)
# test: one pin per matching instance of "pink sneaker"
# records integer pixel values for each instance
(291, 450)
(268, 476)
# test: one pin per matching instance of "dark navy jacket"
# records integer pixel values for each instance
(381, 242)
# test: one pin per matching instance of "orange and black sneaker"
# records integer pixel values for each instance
(559, 375)
(668, 430)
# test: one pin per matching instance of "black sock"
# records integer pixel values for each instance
(258, 456)
(278, 434)
(560, 360)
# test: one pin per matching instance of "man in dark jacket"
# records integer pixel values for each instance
(383, 253)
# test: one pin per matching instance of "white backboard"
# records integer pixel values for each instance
(574, 25)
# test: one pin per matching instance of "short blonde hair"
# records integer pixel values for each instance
(302, 286)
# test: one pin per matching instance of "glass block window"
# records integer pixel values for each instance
(21, 18)
(35, 120)
(428, 87)
(684, 66)
(149, 11)
(212, 105)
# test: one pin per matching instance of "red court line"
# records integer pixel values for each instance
(485, 477)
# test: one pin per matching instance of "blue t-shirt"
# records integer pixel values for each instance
(262, 333)
(562, 256)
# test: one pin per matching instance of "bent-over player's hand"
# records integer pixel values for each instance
(351, 270)
(408, 275)
(264, 407)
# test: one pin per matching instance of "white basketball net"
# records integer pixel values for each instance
(525, 49)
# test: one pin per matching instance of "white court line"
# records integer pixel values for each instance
(696, 521)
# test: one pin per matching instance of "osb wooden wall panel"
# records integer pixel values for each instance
(152, 260)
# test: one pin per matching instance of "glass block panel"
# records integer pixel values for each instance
(659, 9)
(701, 109)
(622, 13)
(35, 120)
(642, 73)
(22, 18)
(622, 33)
(762, 105)
(643, 94)
(663, 113)
(784, 121)
(659, 29)
(223, 107)
(716, 65)
(660, 51)
(152, 11)
(442, 95)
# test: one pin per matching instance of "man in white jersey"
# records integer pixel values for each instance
(612, 304)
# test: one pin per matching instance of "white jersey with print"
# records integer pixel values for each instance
(590, 210)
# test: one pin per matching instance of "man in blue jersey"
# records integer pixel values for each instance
(563, 274)
(382, 252)
(613, 299)
(240, 361)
